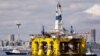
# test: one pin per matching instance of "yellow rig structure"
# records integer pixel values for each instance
(58, 42)
(58, 46)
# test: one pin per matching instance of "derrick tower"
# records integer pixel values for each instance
(58, 20)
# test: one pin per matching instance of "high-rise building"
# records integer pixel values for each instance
(93, 35)
(1, 43)
(12, 37)
(12, 40)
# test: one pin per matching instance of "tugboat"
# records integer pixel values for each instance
(15, 52)
(89, 53)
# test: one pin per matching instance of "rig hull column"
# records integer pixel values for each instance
(56, 47)
(49, 49)
(34, 48)
(40, 52)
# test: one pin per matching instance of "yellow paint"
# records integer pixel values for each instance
(51, 46)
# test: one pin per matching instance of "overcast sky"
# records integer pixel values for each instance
(84, 15)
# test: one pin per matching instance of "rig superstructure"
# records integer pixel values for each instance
(58, 42)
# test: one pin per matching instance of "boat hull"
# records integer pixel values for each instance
(78, 55)
(10, 53)
(92, 55)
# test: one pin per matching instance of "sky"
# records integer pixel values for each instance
(84, 15)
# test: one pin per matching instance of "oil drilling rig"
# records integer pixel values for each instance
(57, 42)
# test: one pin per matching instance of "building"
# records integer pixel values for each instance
(12, 40)
(93, 35)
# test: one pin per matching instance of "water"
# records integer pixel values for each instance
(98, 53)
(2, 53)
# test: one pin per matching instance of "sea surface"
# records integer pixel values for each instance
(2, 53)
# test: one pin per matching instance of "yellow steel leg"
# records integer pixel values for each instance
(56, 47)
(41, 52)
(34, 48)
(49, 51)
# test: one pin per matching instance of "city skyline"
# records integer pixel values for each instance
(33, 14)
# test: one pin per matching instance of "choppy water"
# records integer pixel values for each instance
(2, 53)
